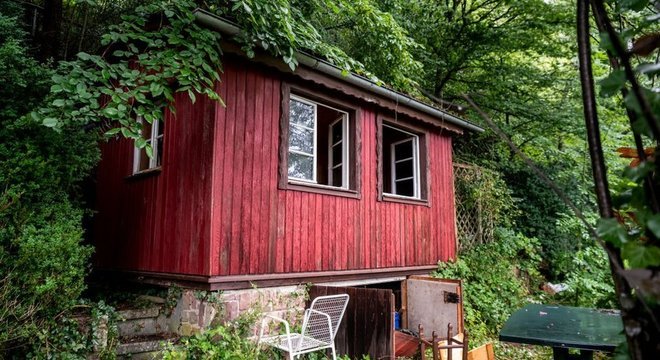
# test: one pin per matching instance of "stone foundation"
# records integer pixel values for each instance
(199, 310)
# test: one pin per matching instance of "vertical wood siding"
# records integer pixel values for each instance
(215, 209)
(159, 222)
(259, 229)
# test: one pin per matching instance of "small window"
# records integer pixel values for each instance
(319, 144)
(401, 163)
(153, 134)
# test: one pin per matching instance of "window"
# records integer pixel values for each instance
(319, 144)
(153, 134)
(401, 165)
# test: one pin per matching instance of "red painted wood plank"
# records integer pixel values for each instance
(298, 222)
(319, 235)
(281, 232)
(231, 74)
(217, 187)
(247, 240)
(259, 218)
(236, 245)
(271, 112)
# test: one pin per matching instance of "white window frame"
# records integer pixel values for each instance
(345, 145)
(344, 151)
(154, 138)
(414, 138)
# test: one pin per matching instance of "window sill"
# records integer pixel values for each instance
(404, 200)
(322, 189)
(144, 173)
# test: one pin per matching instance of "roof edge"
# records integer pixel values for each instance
(224, 26)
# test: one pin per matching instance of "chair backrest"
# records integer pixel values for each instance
(316, 325)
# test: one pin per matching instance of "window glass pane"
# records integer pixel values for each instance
(405, 187)
(146, 130)
(301, 113)
(403, 150)
(337, 177)
(337, 154)
(301, 166)
(404, 169)
(159, 155)
(144, 160)
(301, 139)
(337, 132)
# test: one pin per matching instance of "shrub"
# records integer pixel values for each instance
(498, 278)
(42, 259)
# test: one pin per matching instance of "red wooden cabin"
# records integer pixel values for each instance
(303, 176)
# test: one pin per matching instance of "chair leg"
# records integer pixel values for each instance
(334, 354)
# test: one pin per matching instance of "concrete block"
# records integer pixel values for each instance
(131, 314)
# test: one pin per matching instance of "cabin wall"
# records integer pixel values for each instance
(260, 229)
(159, 221)
(215, 207)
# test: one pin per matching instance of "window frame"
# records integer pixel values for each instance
(346, 148)
(154, 137)
(351, 188)
(421, 166)
(315, 142)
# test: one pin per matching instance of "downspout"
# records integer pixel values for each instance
(223, 26)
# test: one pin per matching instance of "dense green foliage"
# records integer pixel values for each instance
(498, 277)
(636, 229)
(42, 260)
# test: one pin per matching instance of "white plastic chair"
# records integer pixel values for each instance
(319, 328)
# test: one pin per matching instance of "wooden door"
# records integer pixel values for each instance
(433, 303)
(368, 324)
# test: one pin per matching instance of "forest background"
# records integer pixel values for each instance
(516, 59)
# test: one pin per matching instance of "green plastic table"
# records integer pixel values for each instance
(564, 327)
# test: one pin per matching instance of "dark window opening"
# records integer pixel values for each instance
(320, 146)
(401, 163)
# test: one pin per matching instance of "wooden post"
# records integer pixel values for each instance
(435, 343)
(449, 335)
(465, 344)
(422, 344)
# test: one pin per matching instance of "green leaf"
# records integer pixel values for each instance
(83, 56)
(639, 172)
(653, 223)
(110, 111)
(611, 231)
(56, 88)
(113, 131)
(140, 142)
(613, 83)
(50, 122)
(641, 256)
(641, 126)
(649, 69)
(58, 102)
(636, 5)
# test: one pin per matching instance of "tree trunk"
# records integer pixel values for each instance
(641, 332)
(49, 40)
